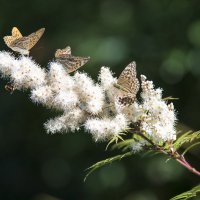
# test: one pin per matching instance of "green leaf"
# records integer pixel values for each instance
(170, 98)
(187, 137)
(190, 147)
(187, 195)
(124, 145)
(115, 139)
(179, 140)
(150, 153)
(106, 162)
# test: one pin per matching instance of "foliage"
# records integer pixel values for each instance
(186, 138)
(106, 162)
(187, 195)
(169, 149)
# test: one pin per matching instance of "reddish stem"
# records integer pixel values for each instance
(173, 154)
(184, 163)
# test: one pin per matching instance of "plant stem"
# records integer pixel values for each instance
(174, 154)
(184, 163)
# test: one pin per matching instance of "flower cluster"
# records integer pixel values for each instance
(92, 105)
(157, 118)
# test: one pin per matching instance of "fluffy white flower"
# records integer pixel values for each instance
(138, 146)
(81, 99)
(56, 125)
(27, 74)
(24, 72)
(43, 95)
(65, 100)
(89, 93)
(106, 78)
(158, 119)
(58, 78)
(133, 112)
(7, 63)
(69, 121)
(107, 83)
(148, 90)
(84, 86)
(103, 129)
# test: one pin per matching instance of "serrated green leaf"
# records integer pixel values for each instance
(187, 137)
(168, 159)
(106, 162)
(177, 144)
(115, 139)
(190, 147)
(187, 195)
(150, 153)
(170, 98)
(123, 144)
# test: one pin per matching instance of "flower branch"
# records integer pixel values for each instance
(105, 109)
(170, 152)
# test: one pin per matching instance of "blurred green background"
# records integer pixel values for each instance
(163, 37)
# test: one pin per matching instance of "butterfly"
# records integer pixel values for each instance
(22, 44)
(70, 62)
(128, 85)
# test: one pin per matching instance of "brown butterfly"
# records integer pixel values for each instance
(70, 62)
(22, 44)
(128, 85)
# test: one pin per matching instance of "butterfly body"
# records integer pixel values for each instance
(22, 44)
(18, 47)
(128, 85)
(70, 62)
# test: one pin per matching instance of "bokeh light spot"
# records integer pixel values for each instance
(193, 60)
(174, 67)
(112, 50)
(194, 33)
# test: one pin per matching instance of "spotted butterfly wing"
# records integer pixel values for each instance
(61, 53)
(128, 85)
(70, 62)
(22, 44)
(8, 40)
(15, 35)
(29, 41)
